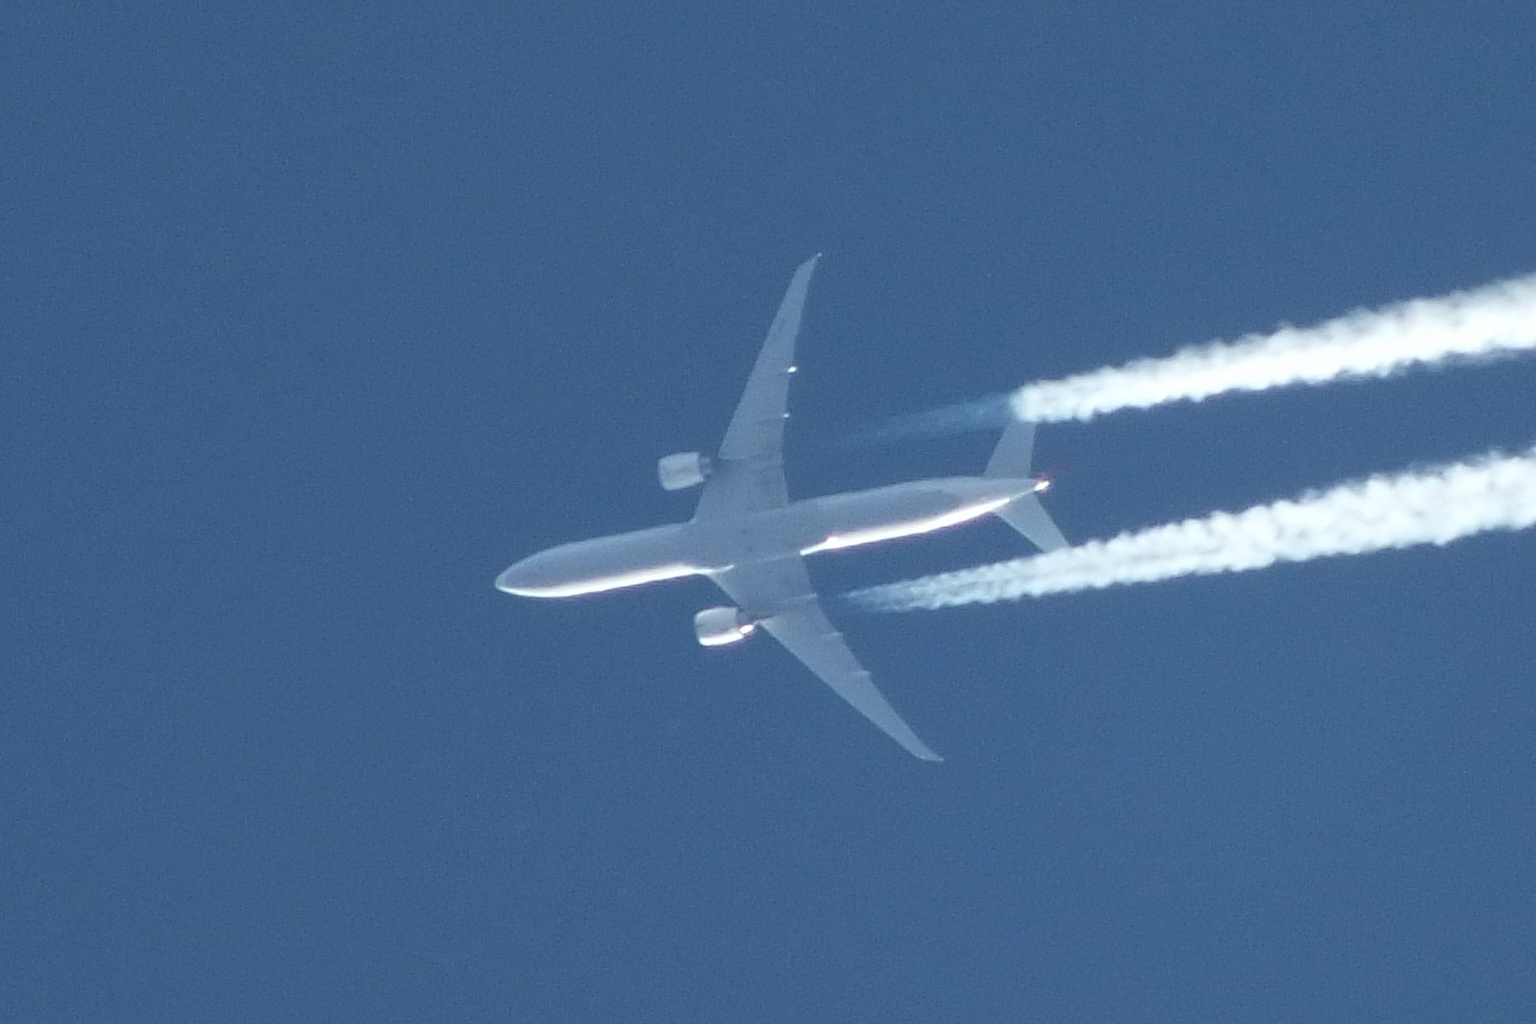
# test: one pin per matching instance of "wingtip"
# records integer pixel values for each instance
(922, 751)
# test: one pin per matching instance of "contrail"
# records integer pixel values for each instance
(1492, 320)
(982, 414)
(1434, 506)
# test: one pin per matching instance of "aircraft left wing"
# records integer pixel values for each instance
(749, 472)
(757, 428)
(779, 596)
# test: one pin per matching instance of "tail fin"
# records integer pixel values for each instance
(1029, 517)
(1010, 460)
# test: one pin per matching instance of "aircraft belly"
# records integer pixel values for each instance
(868, 517)
(765, 536)
(607, 563)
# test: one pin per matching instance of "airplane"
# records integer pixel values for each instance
(751, 539)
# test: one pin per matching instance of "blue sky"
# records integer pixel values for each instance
(318, 317)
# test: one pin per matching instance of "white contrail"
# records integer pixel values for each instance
(1435, 506)
(1499, 318)
(989, 413)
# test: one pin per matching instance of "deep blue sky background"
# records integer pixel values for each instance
(316, 318)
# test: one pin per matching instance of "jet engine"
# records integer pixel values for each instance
(683, 470)
(716, 627)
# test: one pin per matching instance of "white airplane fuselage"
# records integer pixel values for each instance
(750, 540)
(699, 548)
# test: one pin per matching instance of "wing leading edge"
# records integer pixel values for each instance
(757, 428)
(749, 477)
(749, 471)
(779, 596)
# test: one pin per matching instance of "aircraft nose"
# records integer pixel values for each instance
(521, 579)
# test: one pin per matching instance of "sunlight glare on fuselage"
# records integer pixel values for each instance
(910, 528)
(599, 584)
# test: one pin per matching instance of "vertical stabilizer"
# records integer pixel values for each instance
(1010, 461)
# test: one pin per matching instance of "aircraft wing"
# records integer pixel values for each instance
(778, 594)
(757, 428)
(749, 472)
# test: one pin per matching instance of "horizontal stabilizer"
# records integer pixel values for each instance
(1010, 459)
(1029, 517)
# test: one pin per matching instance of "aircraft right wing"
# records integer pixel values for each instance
(779, 596)
(748, 477)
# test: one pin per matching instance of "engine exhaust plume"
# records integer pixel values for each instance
(1489, 321)
(967, 417)
(1433, 506)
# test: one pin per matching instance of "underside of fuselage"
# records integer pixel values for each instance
(750, 539)
(830, 523)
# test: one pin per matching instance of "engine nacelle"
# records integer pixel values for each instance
(683, 470)
(716, 627)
